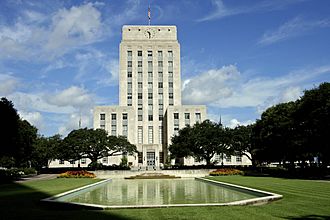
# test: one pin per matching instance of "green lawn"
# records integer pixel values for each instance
(302, 199)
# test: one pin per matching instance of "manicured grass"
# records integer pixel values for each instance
(303, 199)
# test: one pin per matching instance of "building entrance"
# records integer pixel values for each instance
(150, 158)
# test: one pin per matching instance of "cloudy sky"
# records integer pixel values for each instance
(58, 59)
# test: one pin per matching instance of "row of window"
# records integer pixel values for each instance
(150, 65)
(114, 123)
(149, 53)
(227, 158)
(150, 135)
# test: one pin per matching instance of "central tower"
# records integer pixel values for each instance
(150, 110)
(149, 81)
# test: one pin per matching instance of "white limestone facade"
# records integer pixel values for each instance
(149, 94)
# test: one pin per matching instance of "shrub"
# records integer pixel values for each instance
(226, 172)
(77, 174)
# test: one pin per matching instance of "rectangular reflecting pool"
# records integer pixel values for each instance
(158, 192)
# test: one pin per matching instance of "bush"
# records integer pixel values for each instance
(226, 172)
(77, 174)
(8, 175)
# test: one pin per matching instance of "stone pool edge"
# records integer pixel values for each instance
(255, 201)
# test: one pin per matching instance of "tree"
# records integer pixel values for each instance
(242, 142)
(276, 134)
(45, 150)
(8, 127)
(202, 141)
(182, 143)
(313, 119)
(94, 144)
(26, 137)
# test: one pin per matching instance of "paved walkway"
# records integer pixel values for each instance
(38, 177)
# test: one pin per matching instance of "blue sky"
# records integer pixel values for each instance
(58, 59)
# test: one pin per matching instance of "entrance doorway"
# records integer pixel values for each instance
(150, 158)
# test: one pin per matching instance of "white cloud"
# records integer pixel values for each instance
(210, 85)
(72, 122)
(226, 87)
(290, 29)
(8, 84)
(74, 27)
(35, 35)
(72, 97)
(221, 11)
(34, 118)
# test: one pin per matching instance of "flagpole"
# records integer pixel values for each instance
(149, 14)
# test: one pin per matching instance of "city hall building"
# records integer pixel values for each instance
(150, 111)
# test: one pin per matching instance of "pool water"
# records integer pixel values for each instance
(158, 192)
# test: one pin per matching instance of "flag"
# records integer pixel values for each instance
(149, 13)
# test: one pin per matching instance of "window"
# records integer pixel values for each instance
(150, 135)
(150, 107)
(160, 74)
(139, 63)
(129, 74)
(129, 63)
(170, 95)
(129, 53)
(149, 85)
(140, 117)
(83, 160)
(160, 134)
(140, 156)
(170, 74)
(160, 85)
(176, 129)
(150, 117)
(102, 126)
(129, 95)
(124, 116)
(105, 160)
(72, 162)
(170, 63)
(102, 116)
(160, 54)
(129, 85)
(113, 117)
(160, 117)
(170, 53)
(149, 95)
(170, 85)
(198, 117)
(125, 129)
(239, 159)
(160, 96)
(160, 63)
(228, 158)
(161, 106)
(139, 74)
(176, 115)
(139, 53)
(150, 64)
(149, 53)
(140, 85)
(150, 74)
(61, 162)
(113, 130)
(140, 135)
(139, 95)
(187, 119)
